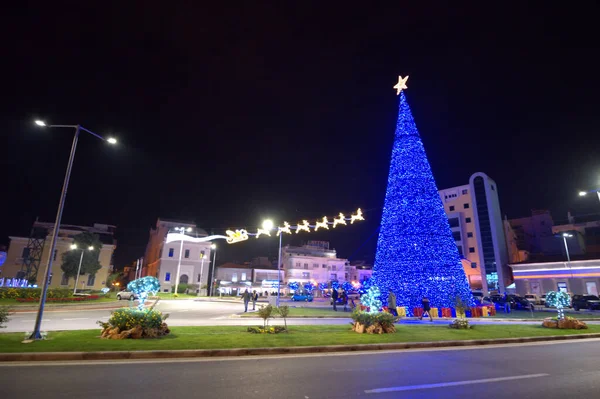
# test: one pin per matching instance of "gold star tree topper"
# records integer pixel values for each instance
(401, 85)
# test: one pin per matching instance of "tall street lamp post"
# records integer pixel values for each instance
(214, 265)
(268, 225)
(182, 230)
(36, 334)
(201, 273)
(74, 246)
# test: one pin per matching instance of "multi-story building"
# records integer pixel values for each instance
(27, 257)
(316, 262)
(162, 259)
(473, 212)
(534, 233)
(234, 278)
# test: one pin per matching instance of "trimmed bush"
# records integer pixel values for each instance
(54, 300)
(373, 323)
(460, 324)
(267, 330)
(4, 313)
(127, 318)
(34, 293)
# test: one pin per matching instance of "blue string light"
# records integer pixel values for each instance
(416, 254)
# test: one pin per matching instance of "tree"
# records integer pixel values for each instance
(90, 263)
(371, 300)
(416, 253)
(559, 300)
(284, 312)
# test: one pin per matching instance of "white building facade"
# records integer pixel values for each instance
(316, 263)
(475, 219)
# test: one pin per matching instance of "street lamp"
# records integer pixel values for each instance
(565, 236)
(181, 230)
(74, 247)
(36, 334)
(268, 225)
(211, 276)
(584, 193)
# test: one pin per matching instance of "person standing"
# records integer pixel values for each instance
(334, 298)
(426, 308)
(246, 299)
(345, 300)
(392, 303)
(506, 303)
(254, 299)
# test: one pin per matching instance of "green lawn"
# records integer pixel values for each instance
(237, 337)
(14, 303)
(308, 312)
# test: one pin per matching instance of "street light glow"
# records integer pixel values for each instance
(567, 235)
(91, 248)
(111, 140)
(73, 246)
(213, 246)
(582, 193)
(40, 123)
(188, 229)
(268, 224)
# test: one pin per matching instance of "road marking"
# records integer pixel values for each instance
(77, 318)
(453, 384)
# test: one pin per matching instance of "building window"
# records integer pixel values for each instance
(471, 250)
(562, 287)
(460, 252)
(451, 208)
(305, 275)
(234, 277)
(453, 222)
(465, 191)
(171, 251)
(466, 206)
(91, 279)
(468, 220)
(324, 266)
(25, 253)
(55, 253)
(469, 234)
(333, 276)
(456, 235)
(167, 276)
(315, 265)
(243, 276)
(187, 253)
(473, 265)
(298, 265)
(64, 280)
(198, 277)
(306, 266)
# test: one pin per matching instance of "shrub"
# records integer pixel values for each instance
(4, 313)
(71, 299)
(460, 324)
(34, 293)
(266, 330)
(265, 312)
(284, 312)
(128, 318)
(373, 323)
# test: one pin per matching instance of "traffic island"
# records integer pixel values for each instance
(208, 341)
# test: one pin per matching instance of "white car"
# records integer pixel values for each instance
(126, 295)
(533, 298)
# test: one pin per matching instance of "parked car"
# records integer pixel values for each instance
(126, 295)
(302, 297)
(591, 302)
(543, 300)
(533, 298)
(520, 302)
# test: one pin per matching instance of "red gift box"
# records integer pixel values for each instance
(446, 312)
(418, 312)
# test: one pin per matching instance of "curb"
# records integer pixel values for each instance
(208, 353)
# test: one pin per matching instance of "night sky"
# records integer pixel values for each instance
(226, 116)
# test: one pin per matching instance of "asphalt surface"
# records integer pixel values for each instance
(551, 371)
(182, 313)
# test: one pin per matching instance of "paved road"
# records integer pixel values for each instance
(182, 313)
(550, 371)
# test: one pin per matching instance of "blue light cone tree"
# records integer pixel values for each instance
(416, 253)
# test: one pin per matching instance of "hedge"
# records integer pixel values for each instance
(71, 299)
(34, 293)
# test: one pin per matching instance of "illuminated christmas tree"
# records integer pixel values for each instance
(416, 253)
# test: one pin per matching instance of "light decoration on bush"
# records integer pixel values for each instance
(323, 286)
(142, 287)
(416, 253)
(560, 300)
(346, 286)
(366, 284)
(335, 285)
(371, 300)
(294, 285)
(309, 287)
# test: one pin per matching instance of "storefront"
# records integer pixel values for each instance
(576, 277)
